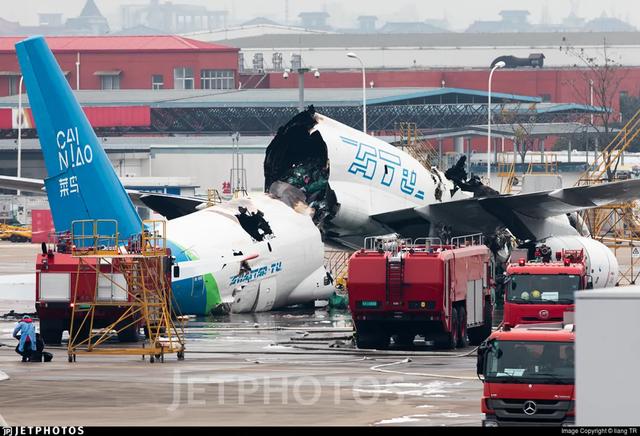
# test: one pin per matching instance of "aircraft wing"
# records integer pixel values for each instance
(168, 205)
(22, 184)
(486, 214)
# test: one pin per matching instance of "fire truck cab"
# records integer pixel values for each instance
(528, 376)
(542, 290)
(400, 289)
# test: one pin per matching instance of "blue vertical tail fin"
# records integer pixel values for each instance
(81, 182)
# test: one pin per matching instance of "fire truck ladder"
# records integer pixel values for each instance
(615, 225)
(131, 281)
(395, 273)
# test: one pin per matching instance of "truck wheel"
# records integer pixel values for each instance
(368, 341)
(51, 336)
(404, 339)
(130, 334)
(370, 336)
(51, 332)
(13, 238)
(449, 340)
(463, 340)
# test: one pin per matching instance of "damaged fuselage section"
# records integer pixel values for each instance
(248, 255)
(297, 169)
(348, 178)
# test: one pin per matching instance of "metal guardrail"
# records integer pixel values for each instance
(467, 240)
(394, 243)
(94, 237)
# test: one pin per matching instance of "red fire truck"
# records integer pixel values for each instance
(541, 290)
(528, 375)
(402, 289)
(58, 275)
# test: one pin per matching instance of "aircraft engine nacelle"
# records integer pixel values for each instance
(601, 264)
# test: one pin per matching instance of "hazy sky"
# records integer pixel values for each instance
(459, 13)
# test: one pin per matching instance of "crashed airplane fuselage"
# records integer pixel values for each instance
(349, 177)
(266, 251)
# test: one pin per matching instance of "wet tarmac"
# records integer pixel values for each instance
(289, 367)
(272, 368)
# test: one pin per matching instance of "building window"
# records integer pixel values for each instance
(110, 82)
(217, 79)
(13, 84)
(157, 81)
(623, 96)
(183, 78)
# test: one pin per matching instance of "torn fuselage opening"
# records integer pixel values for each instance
(254, 223)
(300, 159)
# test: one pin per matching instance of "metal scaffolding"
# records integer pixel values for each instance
(409, 138)
(132, 281)
(615, 225)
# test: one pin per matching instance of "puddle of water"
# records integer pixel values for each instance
(421, 417)
(435, 389)
(403, 419)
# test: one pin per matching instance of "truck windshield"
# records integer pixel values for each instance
(542, 288)
(530, 362)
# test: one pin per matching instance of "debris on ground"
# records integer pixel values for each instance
(341, 344)
(338, 300)
(12, 314)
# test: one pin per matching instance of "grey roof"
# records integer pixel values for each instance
(409, 27)
(509, 130)
(281, 97)
(219, 143)
(526, 39)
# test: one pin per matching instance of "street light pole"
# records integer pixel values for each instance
(364, 90)
(20, 118)
(500, 64)
(301, 72)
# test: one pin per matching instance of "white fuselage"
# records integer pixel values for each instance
(601, 264)
(371, 177)
(285, 268)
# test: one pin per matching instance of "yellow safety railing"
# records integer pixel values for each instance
(94, 237)
(154, 240)
(609, 157)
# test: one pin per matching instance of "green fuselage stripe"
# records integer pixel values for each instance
(213, 293)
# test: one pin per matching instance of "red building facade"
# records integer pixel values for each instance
(561, 85)
(131, 62)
